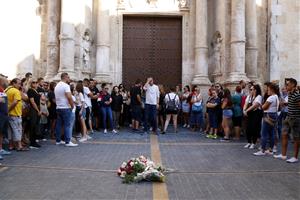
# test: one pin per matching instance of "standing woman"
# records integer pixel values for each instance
(227, 113)
(237, 112)
(197, 110)
(252, 110)
(80, 113)
(105, 101)
(186, 106)
(116, 105)
(172, 104)
(52, 109)
(34, 114)
(270, 108)
(162, 106)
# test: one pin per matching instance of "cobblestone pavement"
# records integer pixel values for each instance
(200, 168)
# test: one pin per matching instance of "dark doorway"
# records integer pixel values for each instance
(152, 46)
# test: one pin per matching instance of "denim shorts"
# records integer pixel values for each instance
(15, 128)
(227, 113)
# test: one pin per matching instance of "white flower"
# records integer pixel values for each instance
(123, 173)
(131, 163)
(123, 165)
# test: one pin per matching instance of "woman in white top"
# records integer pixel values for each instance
(252, 110)
(80, 111)
(270, 108)
(172, 106)
(186, 106)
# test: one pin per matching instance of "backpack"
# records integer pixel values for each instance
(171, 104)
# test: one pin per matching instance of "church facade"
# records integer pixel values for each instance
(176, 41)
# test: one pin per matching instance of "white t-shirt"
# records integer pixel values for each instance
(273, 108)
(74, 101)
(60, 95)
(258, 99)
(87, 99)
(152, 94)
(79, 99)
(172, 96)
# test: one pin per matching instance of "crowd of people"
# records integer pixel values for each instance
(33, 110)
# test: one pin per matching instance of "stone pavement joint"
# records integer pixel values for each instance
(159, 189)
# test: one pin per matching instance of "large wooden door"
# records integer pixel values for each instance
(152, 46)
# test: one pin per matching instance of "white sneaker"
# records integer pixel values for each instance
(4, 152)
(44, 140)
(252, 146)
(247, 145)
(292, 160)
(114, 131)
(89, 137)
(275, 149)
(185, 125)
(71, 144)
(105, 131)
(188, 126)
(259, 153)
(83, 139)
(269, 152)
(61, 142)
(280, 156)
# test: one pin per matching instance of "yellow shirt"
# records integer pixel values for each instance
(13, 94)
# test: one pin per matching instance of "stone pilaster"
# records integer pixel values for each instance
(251, 40)
(103, 42)
(67, 43)
(237, 68)
(201, 48)
(42, 12)
(53, 17)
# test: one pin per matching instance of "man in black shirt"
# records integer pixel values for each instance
(136, 104)
(95, 107)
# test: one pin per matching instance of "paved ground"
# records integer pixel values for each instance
(201, 169)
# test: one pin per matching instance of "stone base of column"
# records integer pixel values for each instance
(218, 77)
(50, 77)
(236, 77)
(201, 80)
(103, 78)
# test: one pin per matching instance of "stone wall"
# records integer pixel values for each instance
(284, 39)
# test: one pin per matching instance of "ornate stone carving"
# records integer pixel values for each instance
(217, 44)
(183, 4)
(86, 44)
(152, 3)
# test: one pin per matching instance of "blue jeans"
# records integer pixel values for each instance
(281, 118)
(64, 118)
(268, 132)
(150, 115)
(197, 118)
(106, 111)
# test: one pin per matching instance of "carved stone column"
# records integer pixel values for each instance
(251, 40)
(201, 48)
(237, 68)
(103, 42)
(67, 43)
(53, 16)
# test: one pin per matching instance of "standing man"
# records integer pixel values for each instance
(3, 114)
(15, 113)
(151, 104)
(292, 122)
(88, 95)
(64, 106)
(136, 104)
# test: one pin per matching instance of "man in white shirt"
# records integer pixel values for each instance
(64, 106)
(151, 104)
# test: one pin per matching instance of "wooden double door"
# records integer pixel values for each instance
(152, 46)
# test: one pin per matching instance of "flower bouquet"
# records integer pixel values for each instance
(139, 169)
